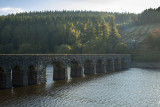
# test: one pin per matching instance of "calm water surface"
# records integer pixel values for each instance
(131, 88)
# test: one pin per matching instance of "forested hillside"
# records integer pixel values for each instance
(144, 34)
(63, 32)
(137, 32)
(149, 16)
(140, 29)
(75, 32)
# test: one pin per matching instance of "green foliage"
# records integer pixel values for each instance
(121, 48)
(149, 49)
(151, 43)
(63, 49)
(149, 16)
(76, 48)
(114, 37)
(25, 49)
(47, 32)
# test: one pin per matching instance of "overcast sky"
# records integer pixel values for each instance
(134, 6)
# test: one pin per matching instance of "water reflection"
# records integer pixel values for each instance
(133, 87)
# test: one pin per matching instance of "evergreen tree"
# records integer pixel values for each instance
(53, 31)
(114, 36)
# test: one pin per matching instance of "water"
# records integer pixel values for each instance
(131, 88)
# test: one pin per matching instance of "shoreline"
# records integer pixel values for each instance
(136, 64)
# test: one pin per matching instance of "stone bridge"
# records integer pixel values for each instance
(27, 69)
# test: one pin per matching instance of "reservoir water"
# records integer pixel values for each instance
(134, 87)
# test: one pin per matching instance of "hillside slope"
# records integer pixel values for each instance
(138, 33)
(147, 37)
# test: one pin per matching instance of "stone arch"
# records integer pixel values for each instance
(89, 67)
(59, 71)
(19, 77)
(76, 69)
(2, 78)
(32, 75)
(100, 66)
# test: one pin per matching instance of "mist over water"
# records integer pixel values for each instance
(134, 87)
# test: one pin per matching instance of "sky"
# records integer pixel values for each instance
(132, 6)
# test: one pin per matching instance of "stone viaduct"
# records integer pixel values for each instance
(27, 69)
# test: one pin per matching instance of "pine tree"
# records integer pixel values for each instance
(114, 36)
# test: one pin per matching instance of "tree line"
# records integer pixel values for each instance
(76, 32)
(149, 16)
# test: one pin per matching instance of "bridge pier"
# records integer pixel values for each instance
(100, 66)
(105, 66)
(110, 65)
(120, 64)
(8, 77)
(128, 63)
(113, 64)
(117, 64)
(89, 67)
(124, 64)
(82, 69)
(41, 73)
(95, 68)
